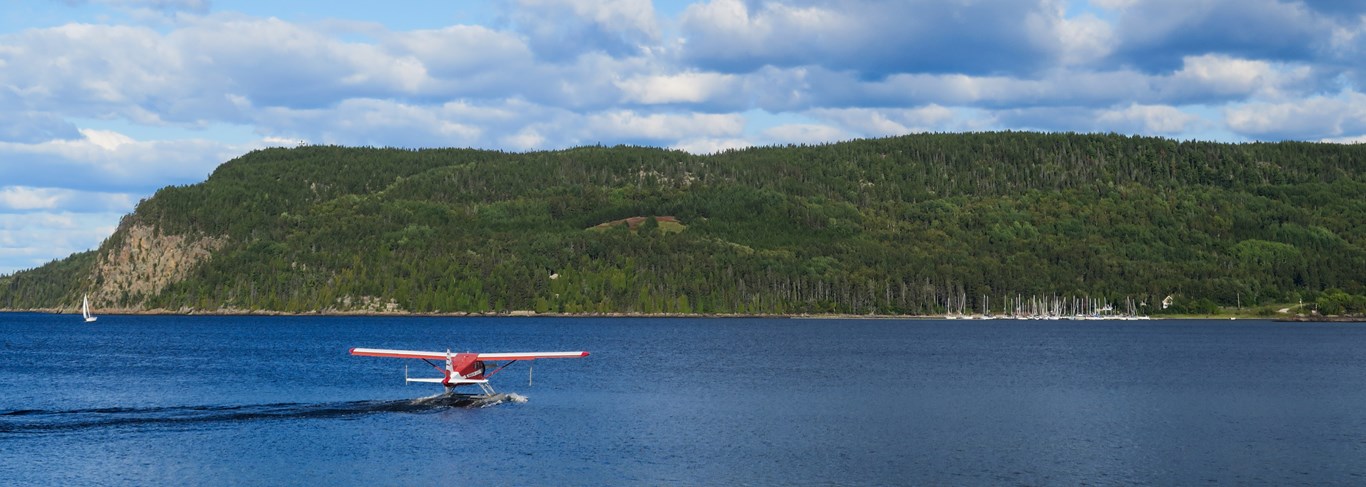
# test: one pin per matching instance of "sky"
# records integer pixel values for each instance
(102, 102)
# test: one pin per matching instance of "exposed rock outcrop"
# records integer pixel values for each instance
(144, 261)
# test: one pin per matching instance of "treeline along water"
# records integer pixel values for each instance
(277, 400)
(888, 226)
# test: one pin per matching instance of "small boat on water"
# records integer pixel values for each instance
(85, 310)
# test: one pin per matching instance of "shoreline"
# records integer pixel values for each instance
(1323, 319)
(530, 314)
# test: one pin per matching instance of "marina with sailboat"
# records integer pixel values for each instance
(1045, 308)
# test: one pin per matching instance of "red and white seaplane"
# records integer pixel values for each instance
(463, 368)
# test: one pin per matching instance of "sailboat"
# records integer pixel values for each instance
(85, 309)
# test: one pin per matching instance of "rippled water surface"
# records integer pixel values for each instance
(277, 400)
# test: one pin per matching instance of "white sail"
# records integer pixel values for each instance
(85, 309)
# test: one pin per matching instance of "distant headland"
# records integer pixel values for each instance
(917, 225)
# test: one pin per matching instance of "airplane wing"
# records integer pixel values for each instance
(492, 357)
(442, 380)
(501, 357)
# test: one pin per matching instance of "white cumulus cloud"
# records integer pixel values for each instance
(1341, 117)
(690, 87)
(707, 145)
(32, 239)
(1220, 75)
(1146, 119)
(630, 125)
(805, 134)
(559, 30)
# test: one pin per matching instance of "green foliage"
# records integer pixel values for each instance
(894, 225)
(1338, 302)
(57, 284)
(1200, 306)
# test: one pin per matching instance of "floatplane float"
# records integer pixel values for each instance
(463, 369)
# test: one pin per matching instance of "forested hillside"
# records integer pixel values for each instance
(887, 226)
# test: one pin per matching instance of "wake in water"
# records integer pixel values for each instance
(43, 421)
(467, 400)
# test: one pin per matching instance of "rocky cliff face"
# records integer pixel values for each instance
(145, 261)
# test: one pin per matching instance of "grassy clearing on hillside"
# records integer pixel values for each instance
(666, 224)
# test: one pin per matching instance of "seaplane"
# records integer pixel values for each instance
(462, 369)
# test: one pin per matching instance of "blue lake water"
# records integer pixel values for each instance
(278, 401)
